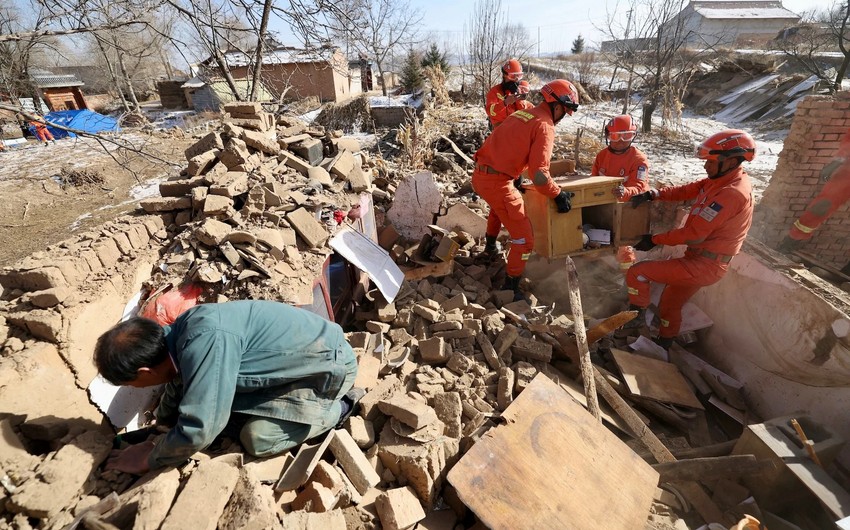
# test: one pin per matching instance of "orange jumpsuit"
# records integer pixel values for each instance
(525, 139)
(498, 110)
(41, 131)
(831, 197)
(714, 232)
(631, 165)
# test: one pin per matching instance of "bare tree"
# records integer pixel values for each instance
(376, 27)
(490, 41)
(650, 46)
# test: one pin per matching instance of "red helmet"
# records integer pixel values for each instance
(727, 144)
(563, 92)
(512, 70)
(620, 128)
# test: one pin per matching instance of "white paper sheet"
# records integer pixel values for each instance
(367, 256)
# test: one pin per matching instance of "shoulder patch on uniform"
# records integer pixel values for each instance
(523, 115)
(710, 212)
(641, 173)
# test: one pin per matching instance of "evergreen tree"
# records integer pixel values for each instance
(433, 57)
(578, 45)
(412, 78)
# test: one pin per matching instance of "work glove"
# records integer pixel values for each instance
(562, 201)
(518, 184)
(619, 191)
(641, 198)
(829, 169)
(645, 242)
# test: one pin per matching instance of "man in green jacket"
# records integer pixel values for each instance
(285, 372)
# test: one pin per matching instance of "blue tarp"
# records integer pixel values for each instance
(83, 120)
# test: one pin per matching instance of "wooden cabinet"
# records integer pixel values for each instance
(559, 234)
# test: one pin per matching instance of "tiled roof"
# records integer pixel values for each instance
(50, 80)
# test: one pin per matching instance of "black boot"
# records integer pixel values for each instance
(788, 245)
(664, 342)
(490, 245)
(512, 284)
(639, 321)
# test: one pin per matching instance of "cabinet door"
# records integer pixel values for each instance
(566, 232)
(630, 223)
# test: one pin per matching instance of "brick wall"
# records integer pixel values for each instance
(819, 123)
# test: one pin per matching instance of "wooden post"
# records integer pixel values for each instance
(715, 468)
(581, 340)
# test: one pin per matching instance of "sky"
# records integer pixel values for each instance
(553, 24)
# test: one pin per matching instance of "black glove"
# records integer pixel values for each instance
(829, 169)
(518, 184)
(645, 243)
(562, 201)
(641, 198)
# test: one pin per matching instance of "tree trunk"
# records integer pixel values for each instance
(646, 116)
(258, 61)
(842, 71)
(112, 75)
(225, 71)
(128, 81)
(381, 74)
(628, 94)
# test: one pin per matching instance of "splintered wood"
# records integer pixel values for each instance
(553, 466)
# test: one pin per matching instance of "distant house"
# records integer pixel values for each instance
(733, 23)
(293, 73)
(59, 91)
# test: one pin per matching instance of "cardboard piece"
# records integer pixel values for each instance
(553, 466)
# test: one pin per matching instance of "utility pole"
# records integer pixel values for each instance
(538, 42)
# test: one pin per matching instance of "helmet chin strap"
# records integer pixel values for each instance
(552, 110)
(618, 151)
(720, 173)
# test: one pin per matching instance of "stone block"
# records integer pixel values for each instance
(449, 410)
(210, 142)
(200, 164)
(58, 481)
(233, 183)
(409, 411)
(50, 297)
(295, 162)
(261, 142)
(155, 499)
(353, 462)
(505, 391)
(315, 497)
(243, 108)
(235, 153)
(399, 509)
(532, 349)
(180, 187)
(362, 431)
(209, 486)
(359, 180)
(309, 149)
(33, 280)
(321, 175)
(212, 232)
(343, 165)
(122, 242)
(165, 204)
(434, 350)
(218, 205)
(334, 520)
(306, 225)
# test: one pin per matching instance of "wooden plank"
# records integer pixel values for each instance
(714, 468)
(805, 256)
(457, 151)
(553, 466)
(432, 270)
(654, 379)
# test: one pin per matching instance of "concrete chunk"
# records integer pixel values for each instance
(209, 487)
(59, 480)
(261, 142)
(409, 411)
(353, 462)
(212, 232)
(306, 225)
(200, 164)
(399, 509)
(155, 499)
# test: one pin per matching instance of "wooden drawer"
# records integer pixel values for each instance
(589, 191)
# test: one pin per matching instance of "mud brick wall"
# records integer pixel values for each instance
(819, 123)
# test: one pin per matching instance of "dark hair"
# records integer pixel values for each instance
(135, 343)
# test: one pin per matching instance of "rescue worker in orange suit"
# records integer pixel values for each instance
(832, 196)
(714, 231)
(622, 159)
(502, 99)
(524, 140)
(41, 131)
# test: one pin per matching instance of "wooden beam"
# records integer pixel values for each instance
(712, 468)
(587, 374)
(434, 270)
(457, 151)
